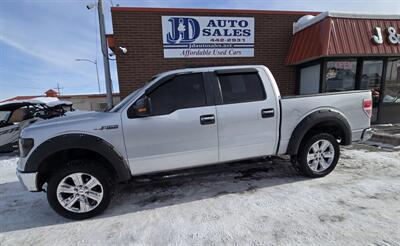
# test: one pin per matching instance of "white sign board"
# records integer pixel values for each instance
(206, 36)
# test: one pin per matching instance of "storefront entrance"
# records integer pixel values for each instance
(380, 75)
(390, 105)
(371, 79)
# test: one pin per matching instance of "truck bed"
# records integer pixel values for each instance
(349, 104)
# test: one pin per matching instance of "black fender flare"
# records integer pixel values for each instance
(313, 119)
(79, 141)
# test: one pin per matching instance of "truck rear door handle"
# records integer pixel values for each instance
(207, 119)
(267, 113)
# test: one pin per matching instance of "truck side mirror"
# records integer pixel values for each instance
(141, 108)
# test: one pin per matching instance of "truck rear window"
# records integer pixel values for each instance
(241, 87)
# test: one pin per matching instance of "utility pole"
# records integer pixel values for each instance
(104, 51)
(58, 88)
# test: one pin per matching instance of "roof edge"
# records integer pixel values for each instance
(203, 10)
(361, 15)
(301, 26)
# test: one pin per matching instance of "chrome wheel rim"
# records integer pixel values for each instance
(80, 192)
(320, 155)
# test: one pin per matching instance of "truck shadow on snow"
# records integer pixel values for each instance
(203, 183)
(21, 210)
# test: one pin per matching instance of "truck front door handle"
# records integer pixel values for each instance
(267, 113)
(207, 119)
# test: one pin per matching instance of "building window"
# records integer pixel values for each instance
(340, 75)
(392, 84)
(309, 79)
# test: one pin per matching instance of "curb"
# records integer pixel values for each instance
(385, 138)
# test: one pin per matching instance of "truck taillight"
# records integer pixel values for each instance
(367, 105)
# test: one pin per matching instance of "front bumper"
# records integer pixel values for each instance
(28, 180)
(366, 134)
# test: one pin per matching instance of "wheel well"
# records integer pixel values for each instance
(320, 121)
(327, 127)
(61, 158)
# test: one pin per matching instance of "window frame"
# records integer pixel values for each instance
(218, 90)
(307, 65)
(168, 79)
(322, 67)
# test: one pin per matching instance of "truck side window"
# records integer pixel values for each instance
(237, 88)
(183, 91)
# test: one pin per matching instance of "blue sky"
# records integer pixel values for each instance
(40, 39)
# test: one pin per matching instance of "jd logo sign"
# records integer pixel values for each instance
(183, 30)
(203, 36)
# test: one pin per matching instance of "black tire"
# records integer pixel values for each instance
(85, 166)
(305, 147)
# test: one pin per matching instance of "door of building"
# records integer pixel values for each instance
(390, 109)
(371, 79)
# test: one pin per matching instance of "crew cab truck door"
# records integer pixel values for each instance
(180, 132)
(247, 113)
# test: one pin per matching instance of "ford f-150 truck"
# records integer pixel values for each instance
(181, 119)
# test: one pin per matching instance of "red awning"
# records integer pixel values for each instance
(334, 36)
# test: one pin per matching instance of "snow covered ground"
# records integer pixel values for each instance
(252, 204)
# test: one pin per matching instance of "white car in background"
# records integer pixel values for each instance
(18, 114)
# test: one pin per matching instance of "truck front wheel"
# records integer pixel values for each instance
(318, 155)
(81, 190)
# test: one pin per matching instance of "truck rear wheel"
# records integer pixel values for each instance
(318, 155)
(81, 190)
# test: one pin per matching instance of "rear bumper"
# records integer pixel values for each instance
(366, 134)
(28, 180)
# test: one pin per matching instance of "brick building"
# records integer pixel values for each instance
(139, 30)
(307, 52)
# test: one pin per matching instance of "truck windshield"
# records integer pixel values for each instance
(127, 99)
(122, 103)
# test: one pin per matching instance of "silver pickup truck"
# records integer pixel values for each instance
(182, 119)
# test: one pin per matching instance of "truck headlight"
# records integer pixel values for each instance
(25, 145)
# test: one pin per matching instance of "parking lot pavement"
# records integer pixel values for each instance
(264, 203)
